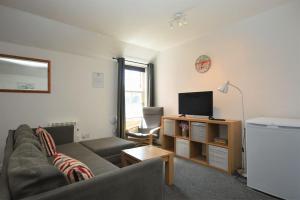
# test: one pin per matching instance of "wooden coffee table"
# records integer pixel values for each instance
(138, 154)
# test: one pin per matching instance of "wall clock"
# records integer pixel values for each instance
(203, 63)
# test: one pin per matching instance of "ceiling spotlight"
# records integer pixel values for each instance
(178, 20)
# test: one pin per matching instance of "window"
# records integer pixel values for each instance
(135, 95)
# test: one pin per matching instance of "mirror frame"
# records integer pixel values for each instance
(30, 59)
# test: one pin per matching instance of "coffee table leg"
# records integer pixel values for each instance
(169, 170)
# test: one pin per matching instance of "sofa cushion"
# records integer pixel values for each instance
(29, 172)
(73, 169)
(109, 146)
(61, 134)
(47, 141)
(97, 164)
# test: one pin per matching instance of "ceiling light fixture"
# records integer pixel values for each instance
(178, 20)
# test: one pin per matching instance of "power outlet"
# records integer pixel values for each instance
(77, 137)
(85, 136)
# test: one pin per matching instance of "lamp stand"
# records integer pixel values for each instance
(243, 171)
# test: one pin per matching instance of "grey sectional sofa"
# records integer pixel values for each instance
(139, 181)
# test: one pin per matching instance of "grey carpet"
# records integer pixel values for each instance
(195, 182)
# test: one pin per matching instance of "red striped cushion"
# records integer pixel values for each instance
(73, 169)
(46, 141)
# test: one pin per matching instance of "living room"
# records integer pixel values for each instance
(252, 44)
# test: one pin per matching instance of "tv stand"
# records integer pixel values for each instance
(193, 116)
(214, 143)
(217, 119)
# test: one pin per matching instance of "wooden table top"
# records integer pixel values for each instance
(147, 152)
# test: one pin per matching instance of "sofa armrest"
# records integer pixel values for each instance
(9, 148)
(142, 180)
(4, 191)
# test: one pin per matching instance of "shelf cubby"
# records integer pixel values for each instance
(217, 131)
(168, 143)
(178, 129)
(198, 151)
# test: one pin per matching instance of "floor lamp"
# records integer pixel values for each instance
(224, 89)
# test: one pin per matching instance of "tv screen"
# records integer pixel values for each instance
(196, 103)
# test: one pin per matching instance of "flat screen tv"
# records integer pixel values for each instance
(196, 103)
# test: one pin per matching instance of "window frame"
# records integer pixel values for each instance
(143, 92)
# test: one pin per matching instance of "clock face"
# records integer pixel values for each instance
(202, 63)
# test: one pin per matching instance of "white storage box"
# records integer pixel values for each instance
(198, 132)
(169, 127)
(182, 148)
(218, 157)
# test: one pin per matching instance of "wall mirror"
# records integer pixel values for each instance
(21, 74)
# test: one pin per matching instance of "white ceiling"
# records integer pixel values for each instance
(145, 22)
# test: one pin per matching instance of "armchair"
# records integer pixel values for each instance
(150, 127)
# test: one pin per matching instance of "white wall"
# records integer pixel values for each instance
(74, 54)
(261, 55)
(72, 96)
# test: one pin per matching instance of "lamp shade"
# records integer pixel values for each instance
(224, 88)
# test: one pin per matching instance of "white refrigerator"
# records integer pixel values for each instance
(273, 156)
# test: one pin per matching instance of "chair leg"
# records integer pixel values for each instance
(150, 139)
